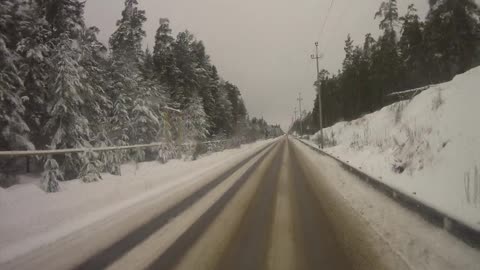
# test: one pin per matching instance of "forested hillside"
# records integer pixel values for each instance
(410, 53)
(61, 88)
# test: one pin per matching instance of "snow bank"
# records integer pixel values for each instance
(428, 147)
(415, 240)
(31, 218)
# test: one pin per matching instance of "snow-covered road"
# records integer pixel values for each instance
(275, 205)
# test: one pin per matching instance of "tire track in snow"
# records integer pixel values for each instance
(174, 254)
(315, 235)
(249, 247)
(118, 249)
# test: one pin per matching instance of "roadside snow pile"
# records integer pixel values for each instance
(31, 218)
(428, 147)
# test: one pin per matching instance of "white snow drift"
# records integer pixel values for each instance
(428, 147)
(32, 218)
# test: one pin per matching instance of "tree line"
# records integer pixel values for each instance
(409, 53)
(62, 88)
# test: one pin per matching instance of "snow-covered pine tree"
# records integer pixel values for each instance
(207, 80)
(145, 123)
(120, 83)
(368, 96)
(211, 102)
(349, 78)
(194, 128)
(13, 128)
(93, 62)
(68, 126)
(126, 41)
(388, 12)
(35, 49)
(185, 72)
(148, 67)
(348, 61)
(110, 160)
(159, 98)
(125, 77)
(223, 108)
(63, 16)
(163, 56)
(90, 171)
(386, 66)
(195, 121)
(51, 176)
(368, 46)
(412, 49)
(238, 108)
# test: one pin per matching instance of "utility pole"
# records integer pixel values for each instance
(300, 112)
(291, 126)
(295, 112)
(319, 92)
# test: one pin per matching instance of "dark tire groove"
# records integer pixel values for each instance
(172, 256)
(115, 251)
(317, 240)
(250, 244)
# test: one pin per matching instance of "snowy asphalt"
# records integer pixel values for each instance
(270, 211)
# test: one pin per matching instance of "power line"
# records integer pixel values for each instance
(325, 42)
(326, 19)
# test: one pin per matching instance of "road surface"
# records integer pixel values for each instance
(270, 211)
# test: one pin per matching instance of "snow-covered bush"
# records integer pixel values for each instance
(167, 152)
(110, 160)
(437, 101)
(90, 171)
(51, 176)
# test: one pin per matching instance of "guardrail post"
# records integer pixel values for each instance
(447, 224)
(27, 164)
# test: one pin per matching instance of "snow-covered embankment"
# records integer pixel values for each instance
(427, 147)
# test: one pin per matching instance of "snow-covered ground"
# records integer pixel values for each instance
(32, 218)
(427, 147)
(419, 244)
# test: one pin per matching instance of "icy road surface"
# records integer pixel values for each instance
(282, 206)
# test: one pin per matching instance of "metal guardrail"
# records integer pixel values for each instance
(82, 150)
(412, 91)
(452, 225)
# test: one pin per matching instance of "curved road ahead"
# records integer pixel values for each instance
(270, 211)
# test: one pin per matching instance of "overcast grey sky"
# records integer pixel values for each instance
(262, 46)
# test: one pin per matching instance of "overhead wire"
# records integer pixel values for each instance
(326, 19)
(337, 22)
